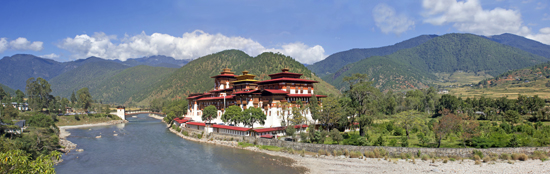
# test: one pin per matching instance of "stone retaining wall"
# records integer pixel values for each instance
(394, 151)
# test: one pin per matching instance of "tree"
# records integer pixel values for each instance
(297, 116)
(73, 99)
(468, 128)
(19, 96)
(290, 131)
(407, 119)
(330, 113)
(209, 113)
(84, 98)
(512, 116)
(336, 136)
(447, 124)
(38, 93)
(364, 98)
(253, 115)
(314, 108)
(233, 114)
(19, 161)
(2, 94)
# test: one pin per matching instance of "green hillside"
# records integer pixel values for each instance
(531, 46)
(465, 52)
(334, 62)
(88, 75)
(8, 89)
(385, 73)
(195, 76)
(120, 87)
(525, 77)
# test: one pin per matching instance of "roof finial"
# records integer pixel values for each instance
(285, 69)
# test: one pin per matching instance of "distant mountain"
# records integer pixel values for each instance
(415, 67)
(88, 75)
(338, 60)
(531, 46)
(156, 61)
(386, 74)
(120, 87)
(195, 76)
(8, 89)
(465, 52)
(18, 68)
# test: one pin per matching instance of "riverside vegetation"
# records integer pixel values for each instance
(36, 149)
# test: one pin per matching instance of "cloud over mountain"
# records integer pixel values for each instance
(188, 46)
(388, 21)
(20, 44)
(469, 16)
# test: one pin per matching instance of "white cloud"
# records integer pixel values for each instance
(20, 44)
(188, 46)
(23, 44)
(3, 44)
(50, 56)
(469, 16)
(543, 36)
(388, 21)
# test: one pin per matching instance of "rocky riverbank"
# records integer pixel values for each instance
(63, 133)
(342, 164)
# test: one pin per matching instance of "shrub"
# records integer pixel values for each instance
(303, 153)
(291, 151)
(355, 154)
(478, 162)
(477, 158)
(346, 152)
(321, 152)
(505, 156)
(452, 159)
(445, 160)
(486, 159)
(418, 154)
(478, 153)
(425, 157)
(404, 141)
(187, 133)
(369, 154)
(403, 156)
(518, 156)
(339, 152)
(383, 151)
(376, 153)
(539, 155)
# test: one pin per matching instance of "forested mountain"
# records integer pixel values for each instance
(156, 61)
(386, 74)
(531, 46)
(195, 76)
(120, 87)
(88, 75)
(465, 52)
(18, 68)
(444, 54)
(338, 60)
(8, 89)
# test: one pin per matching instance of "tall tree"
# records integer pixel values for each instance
(447, 124)
(331, 113)
(84, 98)
(19, 96)
(408, 119)
(297, 114)
(209, 113)
(2, 94)
(253, 115)
(314, 108)
(364, 98)
(73, 99)
(38, 93)
(233, 114)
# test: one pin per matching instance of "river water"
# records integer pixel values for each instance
(144, 145)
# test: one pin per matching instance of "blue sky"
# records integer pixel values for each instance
(309, 31)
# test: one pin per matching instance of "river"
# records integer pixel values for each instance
(144, 145)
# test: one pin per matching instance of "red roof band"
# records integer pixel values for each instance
(305, 95)
(287, 79)
(195, 123)
(216, 98)
(244, 129)
(276, 91)
(277, 128)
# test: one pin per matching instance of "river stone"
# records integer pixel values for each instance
(80, 150)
